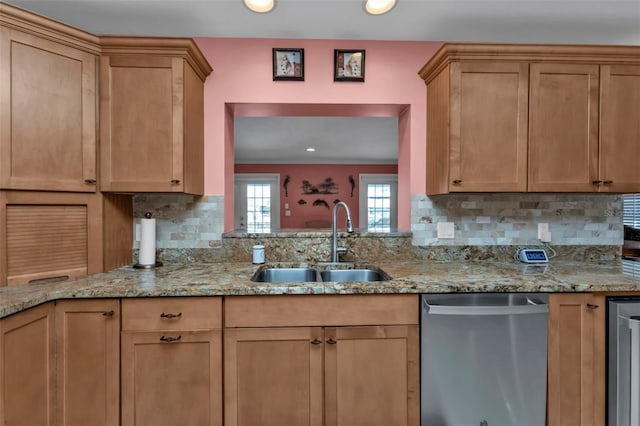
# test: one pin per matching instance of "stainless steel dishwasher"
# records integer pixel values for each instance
(484, 359)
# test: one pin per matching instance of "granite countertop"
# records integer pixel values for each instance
(212, 279)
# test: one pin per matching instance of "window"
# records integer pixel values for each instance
(257, 202)
(378, 202)
(631, 210)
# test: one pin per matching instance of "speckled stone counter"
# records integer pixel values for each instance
(211, 279)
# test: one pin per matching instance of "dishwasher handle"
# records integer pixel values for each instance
(530, 308)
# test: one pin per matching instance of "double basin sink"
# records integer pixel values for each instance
(307, 274)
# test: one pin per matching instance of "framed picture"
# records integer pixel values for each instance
(288, 64)
(348, 65)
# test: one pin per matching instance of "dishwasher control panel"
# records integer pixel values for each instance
(529, 255)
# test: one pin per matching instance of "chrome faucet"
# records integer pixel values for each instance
(335, 250)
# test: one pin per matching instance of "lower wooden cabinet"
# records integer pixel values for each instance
(171, 374)
(345, 372)
(27, 368)
(273, 376)
(576, 379)
(88, 362)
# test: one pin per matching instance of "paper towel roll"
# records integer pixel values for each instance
(147, 242)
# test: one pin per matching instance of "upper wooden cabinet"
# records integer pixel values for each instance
(618, 168)
(538, 118)
(152, 115)
(47, 104)
(563, 127)
(477, 124)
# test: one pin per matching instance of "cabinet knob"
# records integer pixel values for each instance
(316, 341)
(175, 181)
(108, 313)
(170, 316)
(596, 182)
(592, 306)
(331, 341)
(457, 182)
(90, 181)
(170, 339)
(608, 182)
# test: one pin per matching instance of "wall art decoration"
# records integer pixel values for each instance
(321, 202)
(302, 202)
(288, 64)
(326, 187)
(348, 65)
(285, 184)
(352, 181)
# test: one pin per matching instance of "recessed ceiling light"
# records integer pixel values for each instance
(378, 7)
(260, 6)
(311, 149)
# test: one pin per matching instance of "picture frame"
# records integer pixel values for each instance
(288, 64)
(348, 65)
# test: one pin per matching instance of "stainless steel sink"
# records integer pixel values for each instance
(344, 275)
(286, 275)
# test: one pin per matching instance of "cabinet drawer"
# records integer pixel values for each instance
(321, 310)
(172, 313)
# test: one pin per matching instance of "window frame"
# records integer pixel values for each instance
(240, 182)
(363, 198)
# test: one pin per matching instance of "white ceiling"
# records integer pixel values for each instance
(375, 141)
(542, 21)
(337, 140)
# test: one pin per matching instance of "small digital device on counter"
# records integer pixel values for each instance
(532, 255)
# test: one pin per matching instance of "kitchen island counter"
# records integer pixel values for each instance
(216, 279)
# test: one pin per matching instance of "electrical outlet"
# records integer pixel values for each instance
(287, 212)
(543, 228)
(445, 229)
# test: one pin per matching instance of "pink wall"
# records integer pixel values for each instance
(316, 173)
(243, 75)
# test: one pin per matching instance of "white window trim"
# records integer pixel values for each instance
(373, 178)
(270, 178)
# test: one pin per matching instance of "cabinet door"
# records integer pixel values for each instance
(372, 376)
(563, 128)
(88, 362)
(172, 378)
(619, 128)
(47, 115)
(571, 389)
(273, 376)
(141, 123)
(27, 368)
(488, 150)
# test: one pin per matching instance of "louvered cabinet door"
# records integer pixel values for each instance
(49, 236)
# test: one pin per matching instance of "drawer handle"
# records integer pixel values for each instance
(170, 316)
(109, 313)
(331, 341)
(592, 306)
(170, 339)
(316, 342)
(90, 181)
(608, 182)
(175, 181)
(457, 182)
(597, 182)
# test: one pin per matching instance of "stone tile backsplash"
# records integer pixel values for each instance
(512, 219)
(182, 220)
(191, 222)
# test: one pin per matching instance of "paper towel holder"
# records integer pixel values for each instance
(147, 215)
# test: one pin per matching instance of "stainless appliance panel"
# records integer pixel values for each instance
(623, 377)
(484, 359)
